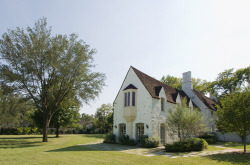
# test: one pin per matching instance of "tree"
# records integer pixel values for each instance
(230, 81)
(47, 68)
(185, 121)
(234, 114)
(200, 85)
(87, 122)
(67, 115)
(15, 110)
(102, 115)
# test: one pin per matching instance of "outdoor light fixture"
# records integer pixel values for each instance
(115, 126)
(147, 126)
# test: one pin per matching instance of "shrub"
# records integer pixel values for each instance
(209, 137)
(34, 130)
(124, 140)
(109, 138)
(151, 142)
(192, 144)
(26, 130)
(20, 130)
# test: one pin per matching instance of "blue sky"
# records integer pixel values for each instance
(158, 37)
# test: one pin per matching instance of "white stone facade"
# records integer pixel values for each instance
(151, 112)
(143, 105)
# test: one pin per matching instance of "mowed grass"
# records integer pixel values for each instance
(67, 150)
(235, 145)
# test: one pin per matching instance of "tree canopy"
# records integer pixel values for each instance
(104, 116)
(234, 114)
(230, 81)
(47, 68)
(185, 121)
(176, 82)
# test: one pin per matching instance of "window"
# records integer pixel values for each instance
(128, 98)
(122, 129)
(162, 104)
(140, 131)
(133, 98)
(125, 99)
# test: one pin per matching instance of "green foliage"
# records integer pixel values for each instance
(209, 137)
(124, 140)
(26, 130)
(19, 131)
(192, 144)
(230, 81)
(48, 68)
(15, 110)
(149, 142)
(202, 86)
(109, 138)
(234, 114)
(185, 121)
(104, 118)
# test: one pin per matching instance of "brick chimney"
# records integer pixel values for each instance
(187, 81)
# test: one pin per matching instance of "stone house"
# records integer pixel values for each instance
(142, 103)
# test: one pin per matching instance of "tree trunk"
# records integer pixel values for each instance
(57, 129)
(244, 141)
(46, 121)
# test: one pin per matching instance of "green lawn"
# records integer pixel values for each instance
(236, 145)
(66, 150)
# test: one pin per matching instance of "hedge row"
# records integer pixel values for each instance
(192, 144)
(19, 131)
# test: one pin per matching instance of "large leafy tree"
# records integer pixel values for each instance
(47, 68)
(231, 81)
(234, 114)
(185, 121)
(176, 82)
(104, 119)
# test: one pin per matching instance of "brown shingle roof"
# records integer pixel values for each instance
(154, 86)
(210, 103)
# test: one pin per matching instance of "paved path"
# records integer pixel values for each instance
(99, 146)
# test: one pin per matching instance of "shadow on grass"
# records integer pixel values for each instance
(95, 147)
(231, 158)
(232, 144)
(21, 142)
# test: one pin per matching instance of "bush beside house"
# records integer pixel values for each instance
(192, 144)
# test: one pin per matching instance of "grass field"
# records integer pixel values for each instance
(66, 150)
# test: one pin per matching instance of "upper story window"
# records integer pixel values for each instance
(162, 104)
(125, 99)
(133, 98)
(130, 96)
(129, 99)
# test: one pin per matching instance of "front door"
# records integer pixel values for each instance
(162, 132)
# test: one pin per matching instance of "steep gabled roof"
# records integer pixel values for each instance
(210, 103)
(153, 85)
